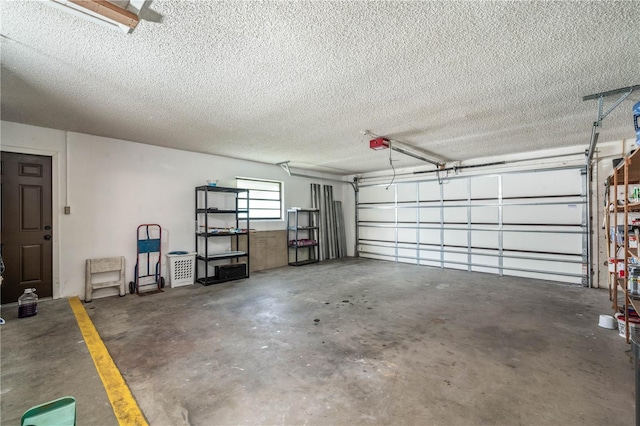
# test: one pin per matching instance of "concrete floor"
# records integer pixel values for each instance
(349, 341)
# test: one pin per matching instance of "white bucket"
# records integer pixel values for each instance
(634, 327)
(607, 321)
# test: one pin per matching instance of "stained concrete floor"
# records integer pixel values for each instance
(340, 342)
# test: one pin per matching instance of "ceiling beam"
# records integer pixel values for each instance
(109, 10)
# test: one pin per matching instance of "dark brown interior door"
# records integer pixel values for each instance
(26, 233)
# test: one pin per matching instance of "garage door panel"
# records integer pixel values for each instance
(455, 238)
(428, 251)
(378, 250)
(407, 214)
(456, 258)
(542, 183)
(544, 276)
(526, 221)
(569, 213)
(407, 235)
(383, 234)
(429, 191)
(455, 189)
(484, 187)
(485, 239)
(379, 257)
(485, 215)
(430, 215)
(406, 192)
(376, 194)
(430, 236)
(550, 241)
(478, 259)
(543, 265)
(408, 254)
(373, 215)
(455, 215)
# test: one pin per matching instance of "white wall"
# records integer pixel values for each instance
(116, 185)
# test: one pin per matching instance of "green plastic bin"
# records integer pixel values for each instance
(59, 412)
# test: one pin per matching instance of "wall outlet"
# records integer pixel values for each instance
(67, 209)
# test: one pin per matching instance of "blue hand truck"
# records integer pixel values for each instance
(149, 240)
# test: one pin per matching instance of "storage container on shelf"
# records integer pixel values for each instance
(617, 265)
(634, 277)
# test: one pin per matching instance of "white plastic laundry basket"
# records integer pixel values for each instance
(181, 268)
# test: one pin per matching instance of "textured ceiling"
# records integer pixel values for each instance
(298, 81)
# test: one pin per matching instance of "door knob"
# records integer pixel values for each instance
(47, 237)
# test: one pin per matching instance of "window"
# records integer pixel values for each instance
(265, 198)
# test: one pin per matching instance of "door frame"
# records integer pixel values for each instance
(56, 167)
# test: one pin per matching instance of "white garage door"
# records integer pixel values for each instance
(527, 223)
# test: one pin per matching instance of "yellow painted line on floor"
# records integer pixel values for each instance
(124, 406)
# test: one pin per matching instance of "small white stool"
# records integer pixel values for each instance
(100, 266)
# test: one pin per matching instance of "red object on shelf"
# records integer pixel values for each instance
(378, 144)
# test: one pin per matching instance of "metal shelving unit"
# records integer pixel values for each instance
(206, 233)
(626, 174)
(303, 236)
